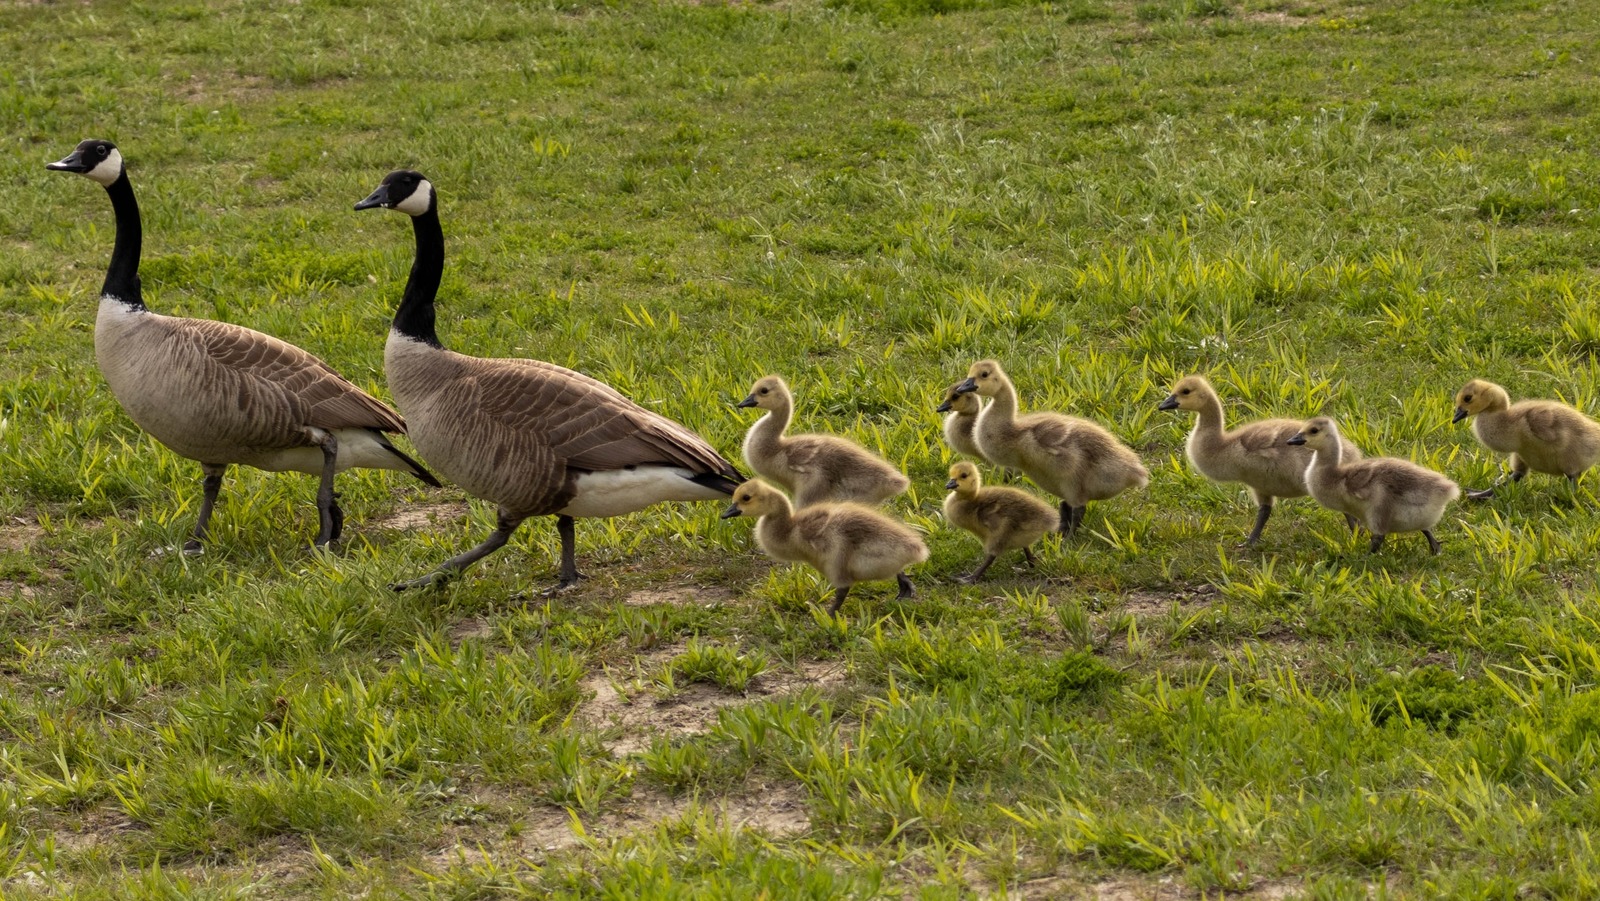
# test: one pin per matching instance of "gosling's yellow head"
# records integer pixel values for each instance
(985, 377)
(755, 498)
(1189, 394)
(964, 479)
(956, 401)
(1318, 434)
(1479, 396)
(767, 393)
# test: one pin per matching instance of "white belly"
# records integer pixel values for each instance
(357, 448)
(628, 490)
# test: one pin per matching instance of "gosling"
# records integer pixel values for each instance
(816, 468)
(846, 542)
(1540, 435)
(1004, 519)
(962, 422)
(1385, 494)
(1072, 458)
(1256, 454)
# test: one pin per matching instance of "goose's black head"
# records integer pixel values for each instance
(96, 159)
(405, 190)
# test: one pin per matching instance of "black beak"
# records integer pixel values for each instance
(380, 197)
(732, 511)
(1461, 413)
(950, 484)
(1171, 403)
(749, 401)
(1298, 439)
(967, 387)
(73, 162)
(945, 407)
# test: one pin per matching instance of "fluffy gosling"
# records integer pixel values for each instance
(1256, 454)
(1540, 435)
(846, 542)
(1004, 519)
(817, 468)
(1074, 459)
(960, 425)
(1385, 494)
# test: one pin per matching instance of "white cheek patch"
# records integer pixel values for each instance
(109, 168)
(418, 201)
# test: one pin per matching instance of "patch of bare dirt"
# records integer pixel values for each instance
(1145, 602)
(1162, 889)
(1274, 17)
(11, 589)
(473, 627)
(642, 714)
(222, 88)
(18, 533)
(421, 515)
(680, 594)
(778, 811)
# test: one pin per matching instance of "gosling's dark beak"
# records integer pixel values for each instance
(749, 401)
(73, 162)
(380, 197)
(951, 485)
(967, 387)
(1171, 403)
(732, 511)
(1461, 413)
(945, 407)
(1299, 438)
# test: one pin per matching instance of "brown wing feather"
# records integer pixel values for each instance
(586, 423)
(270, 366)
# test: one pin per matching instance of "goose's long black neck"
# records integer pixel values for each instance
(122, 275)
(415, 316)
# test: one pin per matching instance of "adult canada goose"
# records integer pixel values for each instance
(1004, 519)
(1385, 494)
(816, 468)
(962, 423)
(1541, 435)
(1072, 458)
(220, 393)
(534, 438)
(846, 542)
(1257, 453)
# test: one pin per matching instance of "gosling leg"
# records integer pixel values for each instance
(1263, 512)
(969, 579)
(839, 594)
(1377, 542)
(1433, 543)
(210, 487)
(907, 590)
(1027, 554)
(504, 526)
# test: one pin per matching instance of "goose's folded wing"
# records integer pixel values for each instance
(586, 423)
(269, 370)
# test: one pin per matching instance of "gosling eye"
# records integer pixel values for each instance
(1467, 399)
(765, 391)
(1314, 432)
(746, 499)
(1184, 391)
(984, 374)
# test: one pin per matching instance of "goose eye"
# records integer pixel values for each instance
(1467, 399)
(1184, 391)
(1316, 431)
(984, 374)
(102, 150)
(765, 391)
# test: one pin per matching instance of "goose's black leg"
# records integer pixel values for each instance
(566, 527)
(210, 486)
(1027, 554)
(1067, 522)
(1377, 542)
(326, 504)
(907, 590)
(504, 526)
(338, 517)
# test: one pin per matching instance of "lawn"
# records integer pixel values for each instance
(1328, 206)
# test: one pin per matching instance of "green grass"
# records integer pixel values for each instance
(1326, 205)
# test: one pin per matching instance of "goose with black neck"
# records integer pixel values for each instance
(219, 393)
(534, 438)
